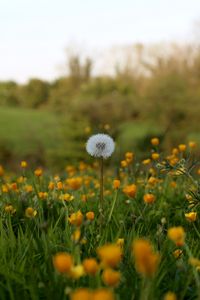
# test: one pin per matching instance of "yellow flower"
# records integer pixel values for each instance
(195, 262)
(173, 184)
(63, 262)
(120, 243)
(1, 170)
(28, 188)
(155, 156)
(111, 277)
(76, 218)
(192, 144)
(129, 157)
(153, 180)
(149, 198)
(146, 261)
(102, 294)
(81, 294)
(66, 197)
(59, 185)
(191, 216)
(76, 235)
(30, 212)
(13, 186)
(130, 190)
(182, 147)
(51, 185)
(10, 209)
(5, 188)
(146, 161)
(38, 172)
(91, 266)
(74, 183)
(170, 296)
(24, 164)
(42, 195)
(110, 255)
(155, 141)
(177, 253)
(116, 184)
(77, 271)
(177, 235)
(124, 164)
(90, 215)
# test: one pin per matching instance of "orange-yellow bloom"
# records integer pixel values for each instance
(130, 190)
(63, 262)
(76, 218)
(111, 277)
(91, 266)
(38, 172)
(116, 184)
(146, 261)
(102, 294)
(30, 212)
(23, 164)
(110, 255)
(170, 296)
(177, 235)
(155, 141)
(90, 215)
(81, 294)
(191, 216)
(149, 198)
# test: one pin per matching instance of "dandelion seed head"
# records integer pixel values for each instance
(100, 145)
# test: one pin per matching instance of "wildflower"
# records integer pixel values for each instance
(124, 164)
(66, 197)
(13, 186)
(100, 145)
(74, 183)
(153, 180)
(63, 262)
(5, 188)
(195, 262)
(177, 253)
(155, 141)
(76, 235)
(51, 185)
(129, 157)
(30, 212)
(38, 172)
(173, 184)
(192, 144)
(110, 254)
(149, 198)
(191, 216)
(59, 185)
(182, 147)
(76, 218)
(146, 161)
(77, 271)
(146, 261)
(130, 190)
(1, 170)
(103, 294)
(23, 164)
(175, 151)
(170, 296)
(111, 277)
(116, 184)
(90, 215)
(120, 243)
(155, 156)
(81, 294)
(90, 266)
(28, 188)
(10, 209)
(42, 195)
(177, 235)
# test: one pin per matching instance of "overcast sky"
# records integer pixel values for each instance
(35, 33)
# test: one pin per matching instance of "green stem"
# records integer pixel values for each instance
(113, 205)
(101, 189)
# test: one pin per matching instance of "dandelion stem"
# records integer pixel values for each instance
(101, 188)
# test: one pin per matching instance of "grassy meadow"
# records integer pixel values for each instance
(144, 243)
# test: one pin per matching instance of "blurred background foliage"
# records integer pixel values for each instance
(47, 123)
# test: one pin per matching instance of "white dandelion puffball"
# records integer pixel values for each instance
(100, 145)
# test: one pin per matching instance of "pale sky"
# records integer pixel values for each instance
(35, 33)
